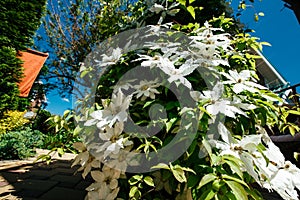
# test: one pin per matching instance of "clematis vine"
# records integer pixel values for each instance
(207, 48)
(242, 81)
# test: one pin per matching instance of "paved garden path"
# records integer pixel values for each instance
(58, 181)
(29, 181)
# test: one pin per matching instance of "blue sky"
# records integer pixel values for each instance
(279, 27)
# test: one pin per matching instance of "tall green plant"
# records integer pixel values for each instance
(19, 21)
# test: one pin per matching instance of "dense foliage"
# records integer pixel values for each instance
(19, 21)
(20, 144)
(20, 136)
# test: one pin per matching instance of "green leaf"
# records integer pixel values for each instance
(207, 195)
(77, 130)
(149, 181)
(191, 10)
(60, 151)
(225, 176)
(179, 174)
(217, 184)
(56, 118)
(207, 146)
(216, 160)
(292, 130)
(254, 193)
(186, 169)
(235, 168)
(84, 73)
(148, 103)
(161, 166)
(66, 113)
(243, 6)
(170, 123)
(238, 190)
(135, 179)
(293, 112)
(133, 191)
(206, 179)
(43, 157)
(182, 2)
(193, 180)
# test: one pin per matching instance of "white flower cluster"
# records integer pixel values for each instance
(275, 174)
(177, 62)
(110, 123)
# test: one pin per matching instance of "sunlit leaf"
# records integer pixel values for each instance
(149, 181)
(191, 10)
(206, 179)
(238, 190)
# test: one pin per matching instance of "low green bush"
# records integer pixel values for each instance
(20, 144)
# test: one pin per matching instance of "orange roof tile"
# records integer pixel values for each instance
(33, 63)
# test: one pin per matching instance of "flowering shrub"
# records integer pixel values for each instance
(178, 116)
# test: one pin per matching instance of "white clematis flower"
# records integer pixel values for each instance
(242, 81)
(113, 59)
(122, 160)
(179, 74)
(217, 104)
(285, 180)
(205, 46)
(168, 67)
(150, 61)
(112, 141)
(116, 111)
(242, 149)
(146, 89)
(112, 132)
(157, 8)
(274, 174)
(106, 185)
(112, 147)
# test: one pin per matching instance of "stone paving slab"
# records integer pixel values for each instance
(29, 180)
(61, 193)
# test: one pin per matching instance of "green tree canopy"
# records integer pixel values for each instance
(19, 22)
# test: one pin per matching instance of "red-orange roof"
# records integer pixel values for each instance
(33, 63)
